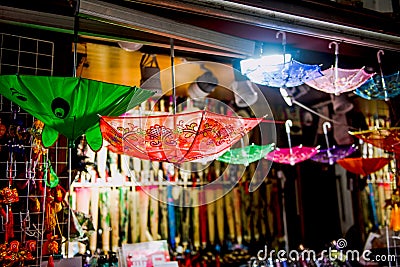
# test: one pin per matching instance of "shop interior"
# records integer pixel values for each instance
(159, 133)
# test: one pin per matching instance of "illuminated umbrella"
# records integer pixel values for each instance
(70, 105)
(363, 166)
(332, 154)
(246, 155)
(336, 80)
(380, 87)
(385, 138)
(174, 138)
(290, 73)
(291, 155)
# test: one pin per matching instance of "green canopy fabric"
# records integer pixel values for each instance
(70, 105)
(246, 155)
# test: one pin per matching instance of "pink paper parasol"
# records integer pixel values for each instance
(385, 138)
(336, 80)
(175, 138)
(291, 155)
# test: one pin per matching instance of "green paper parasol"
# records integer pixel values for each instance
(246, 155)
(70, 106)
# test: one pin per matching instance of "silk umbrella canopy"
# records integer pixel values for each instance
(331, 154)
(380, 87)
(246, 155)
(336, 80)
(174, 138)
(70, 105)
(385, 138)
(363, 166)
(289, 73)
(291, 155)
(373, 89)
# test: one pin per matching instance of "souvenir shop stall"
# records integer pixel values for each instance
(195, 162)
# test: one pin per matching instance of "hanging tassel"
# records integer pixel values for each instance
(50, 263)
(10, 224)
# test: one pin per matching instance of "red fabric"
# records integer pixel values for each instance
(175, 138)
(50, 263)
(385, 138)
(363, 166)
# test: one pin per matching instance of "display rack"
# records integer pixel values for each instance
(22, 170)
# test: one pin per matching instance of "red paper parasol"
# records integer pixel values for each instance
(175, 138)
(385, 138)
(291, 155)
(363, 166)
(336, 80)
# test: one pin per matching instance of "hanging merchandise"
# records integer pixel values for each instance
(363, 166)
(287, 73)
(70, 105)
(336, 80)
(380, 87)
(246, 155)
(174, 138)
(332, 154)
(385, 138)
(291, 155)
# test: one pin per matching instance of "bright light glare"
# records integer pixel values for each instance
(266, 63)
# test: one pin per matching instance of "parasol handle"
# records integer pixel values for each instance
(336, 59)
(283, 43)
(378, 55)
(325, 127)
(289, 124)
(283, 37)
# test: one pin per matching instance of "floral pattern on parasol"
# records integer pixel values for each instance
(290, 73)
(332, 154)
(175, 138)
(336, 80)
(385, 138)
(380, 87)
(246, 155)
(373, 89)
(291, 155)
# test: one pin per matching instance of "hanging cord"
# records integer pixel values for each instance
(173, 74)
(322, 116)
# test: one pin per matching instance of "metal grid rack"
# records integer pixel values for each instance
(19, 168)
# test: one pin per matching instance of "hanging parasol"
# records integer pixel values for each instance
(174, 138)
(385, 138)
(246, 155)
(380, 87)
(332, 154)
(70, 105)
(363, 166)
(291, 155)
(290, 73)
(336, 80)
